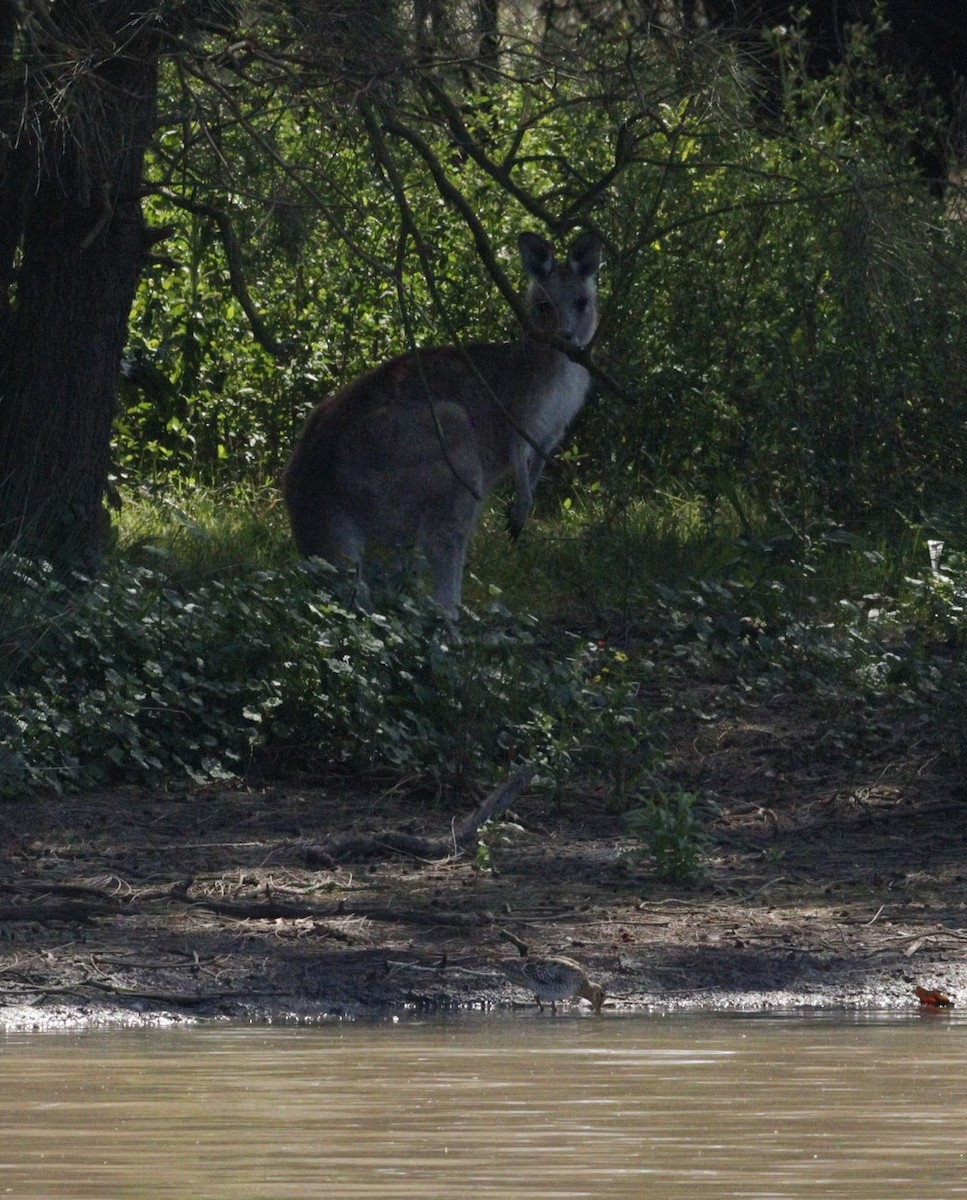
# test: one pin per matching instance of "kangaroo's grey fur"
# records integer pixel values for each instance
(406, 455)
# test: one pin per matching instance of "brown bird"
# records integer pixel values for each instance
(553, 979)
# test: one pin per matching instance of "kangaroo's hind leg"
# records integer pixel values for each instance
(451, 508)
(446, 555)
(328, 532)
(345, 541)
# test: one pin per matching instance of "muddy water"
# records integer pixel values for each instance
(566, 1106)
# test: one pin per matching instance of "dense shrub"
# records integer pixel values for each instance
(133, 678)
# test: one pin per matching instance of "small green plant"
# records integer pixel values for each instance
(669, 825)
(483, 859)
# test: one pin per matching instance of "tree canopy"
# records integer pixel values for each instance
(295, 187)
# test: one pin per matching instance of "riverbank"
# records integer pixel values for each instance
(827, 882)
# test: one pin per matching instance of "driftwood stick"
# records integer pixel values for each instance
(463, 834)
(499, 800)
(522, 948)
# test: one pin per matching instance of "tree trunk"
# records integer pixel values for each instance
(72, 244)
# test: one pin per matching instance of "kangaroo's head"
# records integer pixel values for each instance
(562, 296)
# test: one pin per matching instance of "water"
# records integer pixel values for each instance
(567, 1106)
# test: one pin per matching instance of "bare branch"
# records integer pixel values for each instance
(236, 272)
(456, 199)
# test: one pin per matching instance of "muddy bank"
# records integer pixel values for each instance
(822, 888)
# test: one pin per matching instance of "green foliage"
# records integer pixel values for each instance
(612, 734)
(784, 303)
(482, 860)
(134, 677)
(803, 314)
(670, 827)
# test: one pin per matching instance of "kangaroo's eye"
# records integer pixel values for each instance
(581, 304)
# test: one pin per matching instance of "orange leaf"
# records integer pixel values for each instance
(933, 999)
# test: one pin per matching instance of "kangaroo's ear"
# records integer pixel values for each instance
(537, 255)
(584, 257)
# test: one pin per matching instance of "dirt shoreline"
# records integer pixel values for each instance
(829, 884)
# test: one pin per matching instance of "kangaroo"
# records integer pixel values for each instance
(406, 455)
